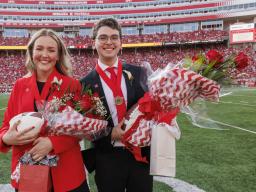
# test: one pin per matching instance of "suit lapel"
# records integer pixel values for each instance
(97, 87)
(130, 90)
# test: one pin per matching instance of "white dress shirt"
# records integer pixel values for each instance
(110, 97)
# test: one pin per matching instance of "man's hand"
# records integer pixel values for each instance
(117, 131)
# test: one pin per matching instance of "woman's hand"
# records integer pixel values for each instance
(14, 137)
(42, 146)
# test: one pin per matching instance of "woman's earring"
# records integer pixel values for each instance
(93, 50)
(121, 52)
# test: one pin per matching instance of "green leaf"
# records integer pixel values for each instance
(216, 75)
(208, 68)
(187, 62)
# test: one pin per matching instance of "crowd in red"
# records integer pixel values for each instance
(11, 68)
(13, 41)
(12, 65)
(173, 37)
(177, 37)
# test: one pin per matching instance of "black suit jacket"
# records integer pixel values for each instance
(136, 88)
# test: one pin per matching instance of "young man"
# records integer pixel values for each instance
(116, 170)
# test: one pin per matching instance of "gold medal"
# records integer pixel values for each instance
(118, 100)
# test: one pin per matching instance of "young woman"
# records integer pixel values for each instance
(47, 59)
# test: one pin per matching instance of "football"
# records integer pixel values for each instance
(27, 120)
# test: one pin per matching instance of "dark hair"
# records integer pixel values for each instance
(108, 22)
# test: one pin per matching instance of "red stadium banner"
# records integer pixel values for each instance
(71, 2)
(37, 24)
(242, 36)
(118, 12)
(242, 33)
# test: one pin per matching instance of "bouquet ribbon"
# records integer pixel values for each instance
(148, 106)
(152, 122)
(139, 134)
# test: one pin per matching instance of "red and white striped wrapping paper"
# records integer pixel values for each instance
(70, 122)
(140, 136)
(179, 87)
(172, 88)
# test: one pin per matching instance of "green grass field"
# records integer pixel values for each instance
(214, 160)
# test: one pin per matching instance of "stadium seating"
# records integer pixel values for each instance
(173, 37)
(12, 65)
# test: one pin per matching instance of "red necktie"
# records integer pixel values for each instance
(118, 95)
(112, 72)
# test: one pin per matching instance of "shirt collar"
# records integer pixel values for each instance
(104, 67)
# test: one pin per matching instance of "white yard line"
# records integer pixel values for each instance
(178, 185)
(229, 102)
(229, 125)
(6, 188)
(241, 95)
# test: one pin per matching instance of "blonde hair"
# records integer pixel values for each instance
(63, 65)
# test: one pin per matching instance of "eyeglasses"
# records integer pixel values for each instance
(105, 38)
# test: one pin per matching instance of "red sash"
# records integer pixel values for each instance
(116, 90)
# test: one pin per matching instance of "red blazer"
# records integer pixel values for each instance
(69, 173)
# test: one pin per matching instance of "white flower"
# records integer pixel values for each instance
(57, 82)
(100, 109)
(128, 73)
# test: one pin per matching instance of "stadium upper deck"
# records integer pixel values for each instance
(26, 13)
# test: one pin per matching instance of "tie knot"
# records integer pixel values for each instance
(112, 72)
(111, 69)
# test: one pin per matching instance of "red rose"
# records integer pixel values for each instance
(241, 61)
(95, 94)
(194, 58)
(90, 115)
(69, 103)
(215, 56)
(76, 98)
(86, 102)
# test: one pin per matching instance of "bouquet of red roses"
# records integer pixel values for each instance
(213, 65)
(170, 89)
(80, 115)
(75, 115)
